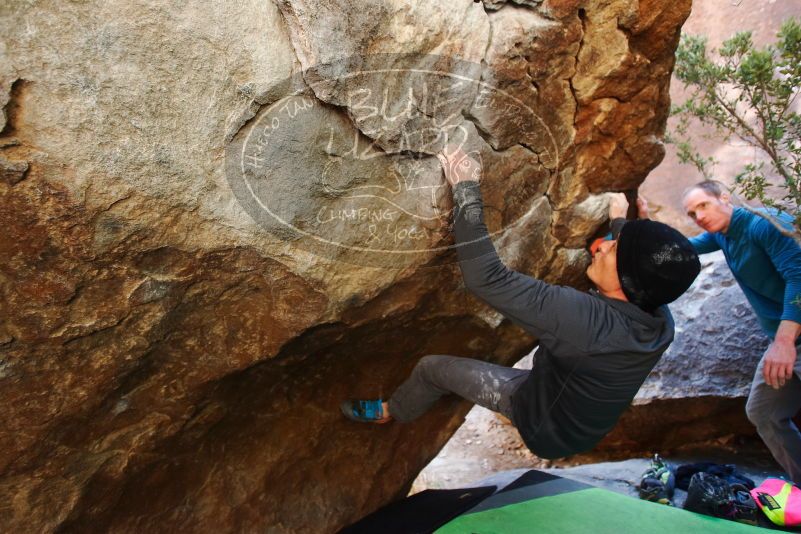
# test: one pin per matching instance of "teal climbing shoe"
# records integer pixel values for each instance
(365, 411)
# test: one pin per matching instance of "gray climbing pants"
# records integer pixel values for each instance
(482, 383)
(771, 411)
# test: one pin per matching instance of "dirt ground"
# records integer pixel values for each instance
(485, 444)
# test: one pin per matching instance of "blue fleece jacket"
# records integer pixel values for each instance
(765, 263)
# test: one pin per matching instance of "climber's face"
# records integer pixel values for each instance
(603, 269)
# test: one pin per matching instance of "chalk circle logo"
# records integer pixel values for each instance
(342, 163)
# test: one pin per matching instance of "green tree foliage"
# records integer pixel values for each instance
(748, 94)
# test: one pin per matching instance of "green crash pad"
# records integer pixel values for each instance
(591, 510)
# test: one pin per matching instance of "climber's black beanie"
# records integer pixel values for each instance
(655, 263)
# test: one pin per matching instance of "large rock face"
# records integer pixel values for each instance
(220, 219)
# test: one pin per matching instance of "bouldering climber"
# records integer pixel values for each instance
(595, 349)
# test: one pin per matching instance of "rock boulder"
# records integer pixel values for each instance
(220, 219)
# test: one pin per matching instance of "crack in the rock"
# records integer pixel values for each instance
(489, 39)
(275, 92)
(13, 171)
(582, 15)
(12, 107)
(517, 3)
(77, 337)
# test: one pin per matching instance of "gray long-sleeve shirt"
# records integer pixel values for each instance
(595, 352)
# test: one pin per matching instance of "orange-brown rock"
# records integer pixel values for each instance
(209, 238)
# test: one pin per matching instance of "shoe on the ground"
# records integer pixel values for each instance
(364, 411)
(652, 489)
(658, 482)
